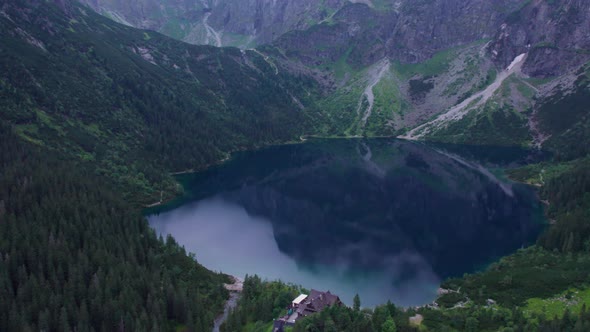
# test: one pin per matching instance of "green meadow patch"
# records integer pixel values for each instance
(573, 299)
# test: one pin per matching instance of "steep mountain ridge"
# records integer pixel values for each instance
(441, 52)
(327, 80)
(437, 50)
(475, 101)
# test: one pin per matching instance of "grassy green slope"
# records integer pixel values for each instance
(344, 108)
(405, 95)
(499, 121)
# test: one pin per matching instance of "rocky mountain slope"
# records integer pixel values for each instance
(219, 22)
(551, 41)
(390, 66)
(411, 33)
(423, 69)
(444, 55)
(555, 34)
(438, 70)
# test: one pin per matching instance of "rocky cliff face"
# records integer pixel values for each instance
(265, 20)
(149, 14)
(219, 22)
(556, 34)
(412, 32)
(425, 27)
(408, 31)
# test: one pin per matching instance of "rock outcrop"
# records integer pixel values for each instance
(242, 23)
(556, 34)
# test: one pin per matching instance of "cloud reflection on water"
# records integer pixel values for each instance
(226, 238)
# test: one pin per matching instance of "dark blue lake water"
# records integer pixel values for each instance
(383, 218)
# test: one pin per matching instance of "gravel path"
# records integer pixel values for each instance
(235, 290)
(231, 303)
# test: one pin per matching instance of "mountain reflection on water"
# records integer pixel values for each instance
(384, 218)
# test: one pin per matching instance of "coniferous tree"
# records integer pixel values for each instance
(356, 303)
(388, 326)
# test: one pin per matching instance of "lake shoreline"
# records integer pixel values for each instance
(302, 139)
(223, 195)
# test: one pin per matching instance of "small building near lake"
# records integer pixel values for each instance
(305, 305)
(298, 300)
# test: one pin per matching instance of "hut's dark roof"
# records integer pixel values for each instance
(320, 300)
(317, 301)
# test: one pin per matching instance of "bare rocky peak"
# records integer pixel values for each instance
(406, 30)
(266, 20)
(427, 26)
(411, 31)
(227, 22)
(555, 34)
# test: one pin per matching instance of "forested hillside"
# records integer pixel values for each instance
(94, 115)
(75, 257)
(133, 103)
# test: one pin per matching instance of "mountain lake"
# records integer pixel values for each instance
(385, 218)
